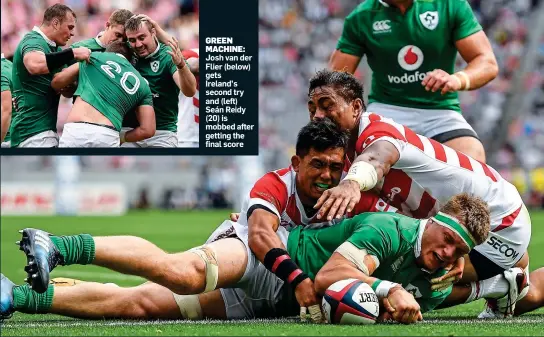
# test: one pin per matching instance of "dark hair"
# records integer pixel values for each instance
(120, 16)
(320, 135)
(134, 23)
(57, 11)
(120, 47)
(345, 84)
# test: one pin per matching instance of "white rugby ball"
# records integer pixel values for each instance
(351, 301)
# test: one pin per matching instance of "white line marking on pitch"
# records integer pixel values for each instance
(27, 324)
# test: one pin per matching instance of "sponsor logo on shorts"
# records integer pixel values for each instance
(503, 248)
(382, 26)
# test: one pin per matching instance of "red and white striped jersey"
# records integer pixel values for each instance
(428, 173)
(276, 191)
(188, 113)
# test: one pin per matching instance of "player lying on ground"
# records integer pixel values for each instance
(37, 58)
(393, 253)
(164, 67)
(6, 103)
(418, 175)
(291, 192)
(411, 47)
(108, 87)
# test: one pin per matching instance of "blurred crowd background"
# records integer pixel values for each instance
(296, 38)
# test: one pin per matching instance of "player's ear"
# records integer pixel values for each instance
(107, 25)
(357, 107)
(295, 162)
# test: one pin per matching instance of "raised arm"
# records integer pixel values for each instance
(39, 63)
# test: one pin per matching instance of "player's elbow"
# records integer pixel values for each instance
(149, 130)
(493, 67)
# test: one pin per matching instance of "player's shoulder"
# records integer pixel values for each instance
(364, 8)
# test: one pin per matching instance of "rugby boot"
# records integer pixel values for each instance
(42, 256)
(6, 297)
(504, 307)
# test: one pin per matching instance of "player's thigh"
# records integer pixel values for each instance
(468, 145)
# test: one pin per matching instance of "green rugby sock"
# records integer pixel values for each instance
(75, 249)
(28, 301)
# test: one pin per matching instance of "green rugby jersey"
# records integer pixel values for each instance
(158, 69)
(93, 44)
(35, 102)
(112, 86)
(392, 238)
(402, 49)
(6, 70)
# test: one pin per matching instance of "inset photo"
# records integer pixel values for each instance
(100, 74)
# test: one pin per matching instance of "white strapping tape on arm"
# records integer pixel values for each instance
(364, 174)
(356, 256)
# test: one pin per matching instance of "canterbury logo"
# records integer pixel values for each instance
(381, 26)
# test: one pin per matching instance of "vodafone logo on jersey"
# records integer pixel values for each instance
(410, 57)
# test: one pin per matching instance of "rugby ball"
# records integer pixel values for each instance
(350, 301)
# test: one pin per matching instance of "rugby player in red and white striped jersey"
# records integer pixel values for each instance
(418, 175)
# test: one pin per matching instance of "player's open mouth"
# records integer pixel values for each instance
(322, 187)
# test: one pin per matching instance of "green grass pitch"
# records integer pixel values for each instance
(176, 231)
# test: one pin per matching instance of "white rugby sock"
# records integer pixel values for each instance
(495, 287)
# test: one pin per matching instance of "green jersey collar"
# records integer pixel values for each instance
(49, 42)
(97, 39)
(417, 246)
(156, 50)
(385, 4)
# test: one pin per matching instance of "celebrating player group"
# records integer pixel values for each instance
(426, 225)
(128, 85)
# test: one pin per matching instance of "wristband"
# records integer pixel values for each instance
(279, 262)
(381, 288)
(58, 59)
(122, 136)
(364, 174)
(467, 80)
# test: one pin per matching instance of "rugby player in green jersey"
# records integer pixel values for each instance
(411, 47)
(163, 66)
(37, 58)
(108, 87)
(394, 254)
(7, 103)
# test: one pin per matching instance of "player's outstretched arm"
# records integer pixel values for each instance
(367, 169)
(6, 112)
(146, 117)
(268, 248)
(39, 63)
(354, 263)
(340, 61)
(65, 78)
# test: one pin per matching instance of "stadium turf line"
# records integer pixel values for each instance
(175, 231)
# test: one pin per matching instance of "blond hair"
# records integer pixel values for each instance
(472, 212)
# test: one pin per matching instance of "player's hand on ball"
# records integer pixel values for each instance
(82, 54)
(452, 276)
(339, 200)
(234, 217)
(309, 302)
(438, 79)
(402, 306)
